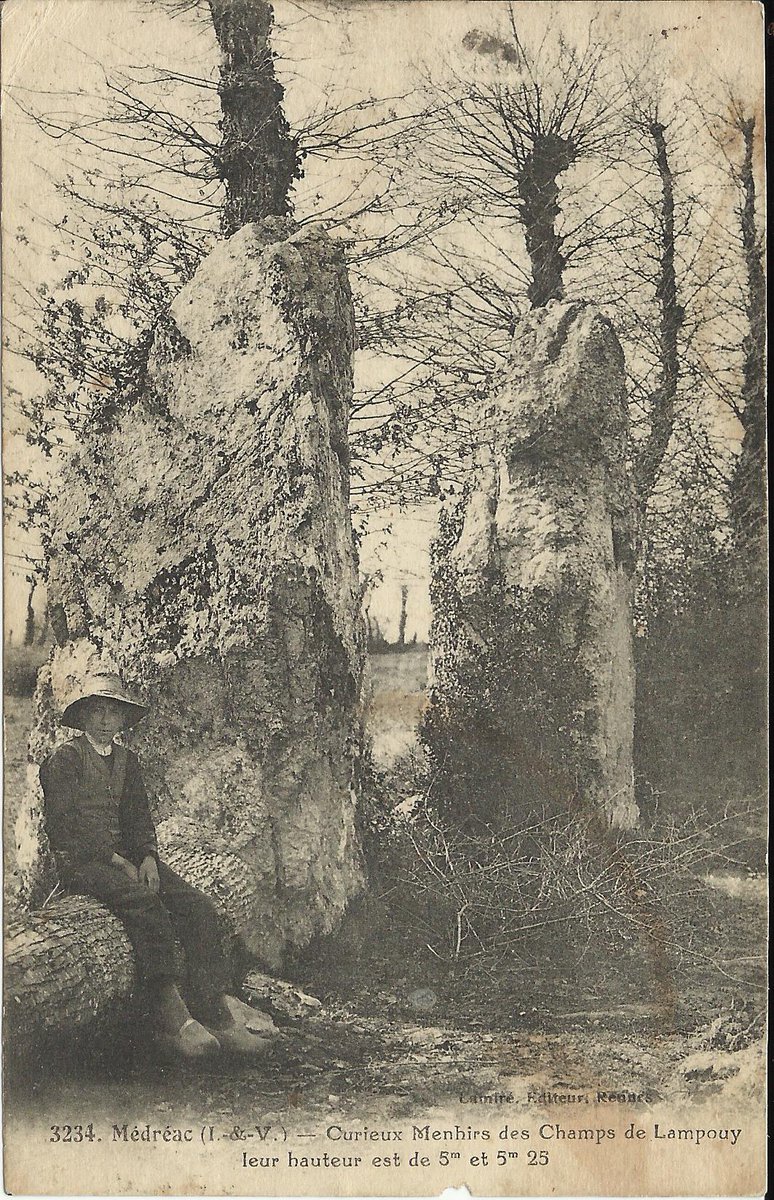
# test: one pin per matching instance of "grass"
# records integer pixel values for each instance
(399, 684)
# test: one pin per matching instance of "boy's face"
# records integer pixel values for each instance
(103, 719)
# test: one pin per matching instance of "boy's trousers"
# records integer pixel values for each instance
(154, 922)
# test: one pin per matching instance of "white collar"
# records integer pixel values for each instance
(102, 751)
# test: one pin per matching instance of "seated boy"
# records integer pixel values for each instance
(102, 835)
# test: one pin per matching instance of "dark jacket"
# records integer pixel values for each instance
(95, 807)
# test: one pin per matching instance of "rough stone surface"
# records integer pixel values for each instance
(532, 703)
(204, 547)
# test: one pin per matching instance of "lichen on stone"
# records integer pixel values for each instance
(532, 703)
(203, 544)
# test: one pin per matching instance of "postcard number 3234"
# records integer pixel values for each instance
(72, 1133)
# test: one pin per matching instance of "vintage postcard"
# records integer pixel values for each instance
(384, 455)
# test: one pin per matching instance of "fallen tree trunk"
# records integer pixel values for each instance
(69, 966)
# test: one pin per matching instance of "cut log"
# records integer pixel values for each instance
(69, 966)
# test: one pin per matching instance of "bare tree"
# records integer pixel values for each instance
(500, 129)
(402, 615)
(164, 159)
(29, 619)
(748, 484)
(504, 138)
(661, 401)
(258, 159)
(560, 145)
(629, 231)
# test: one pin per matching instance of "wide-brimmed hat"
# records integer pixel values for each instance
(105, 687)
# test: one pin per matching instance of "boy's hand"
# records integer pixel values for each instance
(129, 868)
(149, 874)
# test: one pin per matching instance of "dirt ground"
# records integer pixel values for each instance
(400, 1032)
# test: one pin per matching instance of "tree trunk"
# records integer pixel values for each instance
(402, 618)
(44, 627)
(539, 191)
(258, 158)
(376, 639)
(69, 968)
(29, 620)
(748, 485)
(671, 315)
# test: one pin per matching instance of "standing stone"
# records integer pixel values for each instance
(203, 546)
(532, 704)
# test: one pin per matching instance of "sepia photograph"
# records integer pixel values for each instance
(384, 597)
